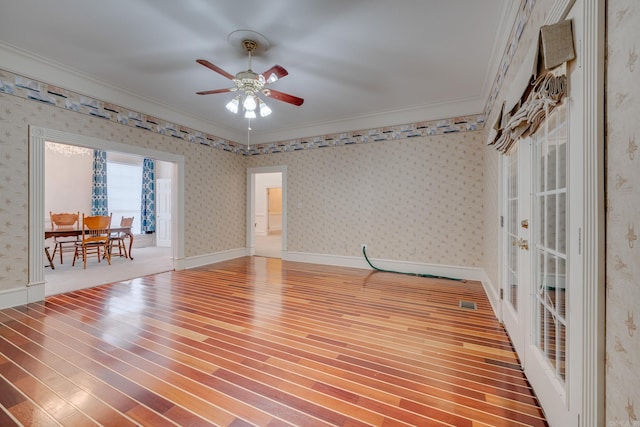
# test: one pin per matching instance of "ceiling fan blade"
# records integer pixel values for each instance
(215, 68)
(277, 70)
(285, 97)
(210, 92)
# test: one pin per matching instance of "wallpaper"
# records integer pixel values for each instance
(451, 153)
(417, 199)
(623, 214)
(210, 226)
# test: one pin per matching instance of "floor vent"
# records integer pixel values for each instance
(468, 304)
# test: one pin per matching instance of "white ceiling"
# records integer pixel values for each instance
(358, 64)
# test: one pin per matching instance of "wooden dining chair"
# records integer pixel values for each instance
(64, 221)
(117, 239)
(96, 231)
(49, 258)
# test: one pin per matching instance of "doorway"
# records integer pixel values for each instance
(132, 268)
(266, 216)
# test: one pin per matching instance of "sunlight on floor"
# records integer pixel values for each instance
(269, 246)
(65, 278)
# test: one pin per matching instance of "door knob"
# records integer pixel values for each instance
(524, 223)
(523, 244)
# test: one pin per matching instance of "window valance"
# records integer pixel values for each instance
(545, 87)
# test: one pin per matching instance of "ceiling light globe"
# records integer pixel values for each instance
(264, 110)
(249, 103)
(249, 114)
(233, 105)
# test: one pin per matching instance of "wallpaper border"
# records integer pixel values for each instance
(54, 96)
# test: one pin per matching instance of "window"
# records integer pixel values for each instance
(125, 191)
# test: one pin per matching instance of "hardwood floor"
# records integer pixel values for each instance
(259, 341)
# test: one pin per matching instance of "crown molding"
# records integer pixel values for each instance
(46, 71)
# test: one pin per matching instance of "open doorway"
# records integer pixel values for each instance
(148, 256)
(266, 215)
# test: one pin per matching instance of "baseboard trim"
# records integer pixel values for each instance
(492, 295)
(20, 296)
(200, 260)
(36, 291)
(456, 272)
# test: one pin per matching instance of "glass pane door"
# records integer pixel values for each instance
(517, 256)
(512, 229)
(550, 201)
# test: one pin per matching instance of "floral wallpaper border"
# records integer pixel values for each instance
(23, 87)
(428, 128)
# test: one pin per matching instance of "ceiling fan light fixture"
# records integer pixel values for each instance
(233, 105)
(264, 108)
(249, 85)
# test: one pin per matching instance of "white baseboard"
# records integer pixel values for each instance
(456, 272)
(35, 292)
(200, 260)
(492, 295)
(21, 296)
(144, 240)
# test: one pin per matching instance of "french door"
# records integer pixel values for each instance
(536, 257)
(543, 281)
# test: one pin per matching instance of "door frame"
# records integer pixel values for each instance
(251, 208)
(158, 187)
(37, 137)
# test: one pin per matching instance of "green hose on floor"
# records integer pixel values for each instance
(364, 252)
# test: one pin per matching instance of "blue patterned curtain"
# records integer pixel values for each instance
(99, 200)
(148, 208)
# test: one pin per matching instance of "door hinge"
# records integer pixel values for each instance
(501, 221)
(501, 293)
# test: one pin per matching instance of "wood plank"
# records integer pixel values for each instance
(256, 341)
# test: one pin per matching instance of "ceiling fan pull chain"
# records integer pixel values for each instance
(249, 134)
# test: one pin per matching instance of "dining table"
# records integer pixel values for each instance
(77, 231)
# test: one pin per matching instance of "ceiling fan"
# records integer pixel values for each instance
(250, 84)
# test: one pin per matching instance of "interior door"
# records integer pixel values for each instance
(546, 357)
(516, 237)
(274, 209)
(163, 213)
(536, 294)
